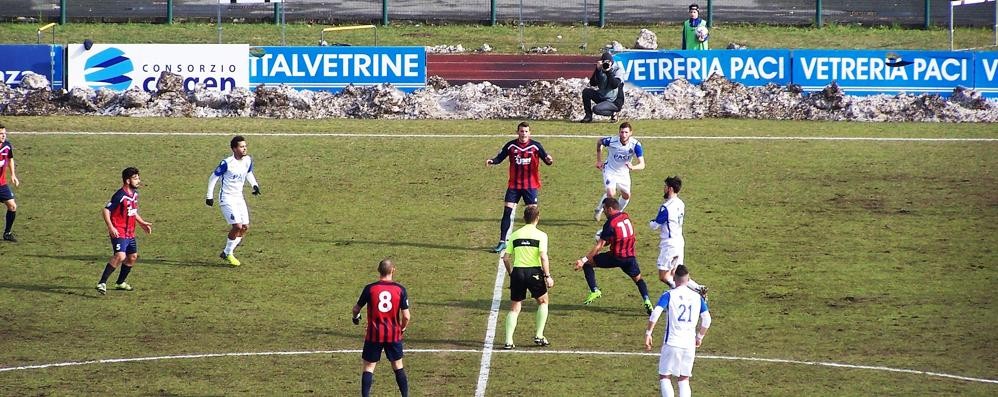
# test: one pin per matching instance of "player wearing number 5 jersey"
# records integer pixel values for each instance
(682, 336)
(387, 318)
(618, 233)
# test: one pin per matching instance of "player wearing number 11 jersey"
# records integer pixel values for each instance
(387, 317)
(618, 233)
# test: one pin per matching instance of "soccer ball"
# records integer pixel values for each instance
(702, 33)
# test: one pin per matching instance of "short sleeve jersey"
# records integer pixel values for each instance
(233, 174)
(620, 154)
(524, 163)
(683, 307)
(6, 155)
(124, 206)
(528, 243)
(619, 232)
(385, 301)
(670, 217)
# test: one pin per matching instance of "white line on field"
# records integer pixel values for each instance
(467, 136)
(475, 351)
(490, 332)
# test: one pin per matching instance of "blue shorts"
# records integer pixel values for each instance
(529, 196)
(627, 265)
(126, 245)
(5, 193)
(372, 351)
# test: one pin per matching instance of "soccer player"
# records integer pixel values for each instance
(622, 151)
(669, 223)
(682, 337)
(387, 318)
(526, 260)
(234, 171)
(120, 215)
(524, 176)
(618, 233)
(6, 195)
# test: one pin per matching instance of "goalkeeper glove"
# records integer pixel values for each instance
(209, 202)
(356, 319)
(256, 190)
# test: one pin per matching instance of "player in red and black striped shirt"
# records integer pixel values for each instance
(618, 232)
(387, 317)
(525, 156)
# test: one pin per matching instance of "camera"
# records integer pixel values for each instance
(607, 64)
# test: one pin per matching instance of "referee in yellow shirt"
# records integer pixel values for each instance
(526, 260)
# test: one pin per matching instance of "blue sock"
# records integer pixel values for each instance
(123, 274)
(366, 380)
(590, 277)
(507, 220)
(642, 288)
(107, 273)
(10, 221)
(403, 381)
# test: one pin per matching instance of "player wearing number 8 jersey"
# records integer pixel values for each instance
(387, 318)
(618, 232)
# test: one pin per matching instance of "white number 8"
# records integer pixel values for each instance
(385, 301)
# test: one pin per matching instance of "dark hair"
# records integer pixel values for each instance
(522, 124)
(694, 6)
(607, 56)
(128, 173)
(530, 214)
(235, 141)
(611, 203)
(2, 126)
(675, 182)
(626, 125)
(385, 267)
(681, 271)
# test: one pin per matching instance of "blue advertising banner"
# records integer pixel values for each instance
(332, 68)
(44, 59)
(654, 70)
(869, 72)
(986, 73)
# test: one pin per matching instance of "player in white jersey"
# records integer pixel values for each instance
(234, 171)
(669, 223)
(622, 151)
(682, 336)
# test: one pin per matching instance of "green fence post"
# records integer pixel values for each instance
(62, 12)
(710, 14)
(277, 14)
(602, 14)
(492, 13)
(817, 13)
(928, 14)
(169, 12)
(384, 12)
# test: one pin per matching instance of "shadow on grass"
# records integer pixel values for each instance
(102, 259)
(357, 332)
(85, 292)
(544, 221)
(406, 244)
(529, 305)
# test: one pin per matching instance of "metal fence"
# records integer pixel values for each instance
(784, 12)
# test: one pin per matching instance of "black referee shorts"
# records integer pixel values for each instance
(526, 278)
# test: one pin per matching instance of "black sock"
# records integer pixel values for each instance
(642, 288)
(403, 381)
(590, 277)
(366, 380)
(10, 221)
(107, 273)
(123, 274)
(507, 220)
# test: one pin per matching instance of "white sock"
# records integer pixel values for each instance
(684, 388)
(230, 245)
(599, 204)
(623, 203)
(665, 384)
(238, 240)
(693, 285)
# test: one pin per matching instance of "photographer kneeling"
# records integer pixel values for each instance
(608, 94)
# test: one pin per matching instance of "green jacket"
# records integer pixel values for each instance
(690, 41)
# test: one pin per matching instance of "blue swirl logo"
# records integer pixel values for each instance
(108, 69)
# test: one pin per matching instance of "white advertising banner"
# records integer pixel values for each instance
(118, 67)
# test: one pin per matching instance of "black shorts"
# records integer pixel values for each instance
(5, 193)
(372, 351)
(526, 278)
(529, 196)
(627, 265)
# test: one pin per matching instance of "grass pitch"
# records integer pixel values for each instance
(877, 253)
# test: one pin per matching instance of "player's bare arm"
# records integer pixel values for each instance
(406, 316)
(111, 231)
(599, 153)
(147, 226)
(639, 166)
(13, 173)
(589, 256)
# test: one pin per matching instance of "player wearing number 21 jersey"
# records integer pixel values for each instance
(387, 317)
(682, 307)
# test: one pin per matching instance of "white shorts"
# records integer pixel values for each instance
(235, 212)
(665, 255)
(676, 361)
(620, 182)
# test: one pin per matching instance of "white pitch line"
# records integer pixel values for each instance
(490, 332)
(468, 136)
(475, 351)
